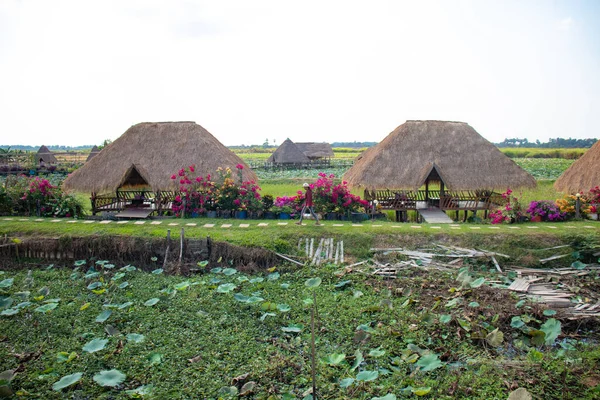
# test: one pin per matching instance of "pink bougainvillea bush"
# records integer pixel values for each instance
(510, 212)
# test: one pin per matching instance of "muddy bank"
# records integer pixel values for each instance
(144, 253)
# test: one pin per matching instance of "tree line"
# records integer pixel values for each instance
(558, 143)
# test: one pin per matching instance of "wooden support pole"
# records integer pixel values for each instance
(342, 252)
(312, 242)
(181, 245)
(167, 250)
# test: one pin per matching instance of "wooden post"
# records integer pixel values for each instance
(167, 250)
(181, 245)
(342, 252)
(93, 201)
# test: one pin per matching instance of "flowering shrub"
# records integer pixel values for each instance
(334, 198)
(512, 211)
(199, 194)
(288, 204)
(546, 209)
(568, 205)
(594, 197)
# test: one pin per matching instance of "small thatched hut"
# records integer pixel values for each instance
(315, 151)
(452, 153)
(288, 153)
(45, 156)
(300, 153)
(148, 153)
(93, 153)
(583, 174)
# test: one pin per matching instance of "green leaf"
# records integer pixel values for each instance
(110, 378)
(335, 359)
(285, 285)
(474, 304)
(342, 284)
(6, 302)
(549, 313)
(273, 276)
(9, 311)
(118, 276)
(46, 307)
(389, 396)
(520, 304)
(454, 302)
(128, 268)
(94, 285)
(367, 376)
(202, 264)
(516, 322)
(537, 337)
(140, 391)
(294, 328)
(347, 382)
(464, 324)
(125, 305)
(157, 271)
(445, 318)
(241, 298)
(313, 282)
(283, 308)
(103, 316)
(123, 285)
(429, 362)
(552, 329)
(155, 358)
(358, 359)
(182, 285)
(229, 271)
(257, 280)
(135, 338)
(91, 274)
(95, 345)
(357, 293)
(477, 282)
(79, 263)
(578, 265)
(265, 315)
(151, 302)
(254, 299)
(66, 381)
(376, 353)
(495, 338)
(6, 283)
(226, 288)
(216, 270)
(421, 391)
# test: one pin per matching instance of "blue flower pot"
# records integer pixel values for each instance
(243, 214)
(284, 215)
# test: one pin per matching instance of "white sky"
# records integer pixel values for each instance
(78, 72)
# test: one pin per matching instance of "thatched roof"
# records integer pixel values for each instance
(45, 155)
(156, 150)
(315, 150)
(583, 174)
(452, 151)
(288, 153)
(93, 153)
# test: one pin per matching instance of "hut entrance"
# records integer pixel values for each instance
(434, 180)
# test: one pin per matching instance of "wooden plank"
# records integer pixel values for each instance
(519, 285)
(140, 213)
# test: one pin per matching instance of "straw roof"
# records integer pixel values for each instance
(583, 174)
(452, 151)
(315, 150)
(288, 153)
(93, 153)
(157, 150)
(44, 154)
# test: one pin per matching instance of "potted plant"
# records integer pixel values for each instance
(544, 210)
(267, 203)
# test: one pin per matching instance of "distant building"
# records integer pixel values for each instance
(300, 153)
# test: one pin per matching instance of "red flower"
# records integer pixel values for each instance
(239, 166)
(173, 176)
(192, 168)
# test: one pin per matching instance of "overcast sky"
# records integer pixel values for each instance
(78, 72)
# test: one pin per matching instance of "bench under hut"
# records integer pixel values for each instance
(435, 165)
(134, 172)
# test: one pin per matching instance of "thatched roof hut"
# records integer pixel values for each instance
(148, 153)
(45, 156)
(583, 174)
(453, 153)
(315, 151)
(93, 153)
(288, 153)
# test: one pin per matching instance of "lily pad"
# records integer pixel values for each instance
(135, 338)
(229, 271)
(123, 285)
(495, 338)
(95, 345)
(273, 276)
(477, 282)
(429, 362)
(313, 282)
(151, 302)
(283, 307)
(103, 316)
(334, 359)
(293, 328)
(182, 285)
(110, 378)
(389, 396)
(421, 391)
(94, 285)
(66, 381)
(552, 329)
(367, 376)
(9, 311)
(157, 271)
(6, 283)
(225, 288)
(347, 382)
(445, 318)
(46, 307)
